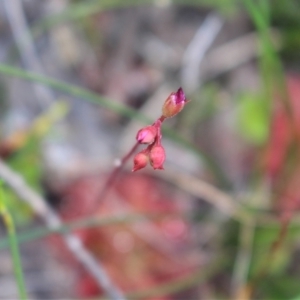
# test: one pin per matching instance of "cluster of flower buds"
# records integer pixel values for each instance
(151, 134)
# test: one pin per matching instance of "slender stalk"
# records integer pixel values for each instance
(273, 250)
(8, 222)
(271, 66)
(114, 174)
(243, 258)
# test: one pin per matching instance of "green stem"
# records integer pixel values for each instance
(8, 222)
(244, 256)
(271, 66)
(75, 225)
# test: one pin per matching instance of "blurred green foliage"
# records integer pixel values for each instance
(252, 120)
(25, 161)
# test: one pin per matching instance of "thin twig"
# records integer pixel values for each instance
(209, 193)
(224, 202)
(52, 220)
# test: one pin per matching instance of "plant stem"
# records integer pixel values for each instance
(114, 174)
(271, 66)
(9, 224)
(243, 258)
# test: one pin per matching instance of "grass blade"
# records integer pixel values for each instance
(9, 224)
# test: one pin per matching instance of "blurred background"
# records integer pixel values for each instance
(79, 78)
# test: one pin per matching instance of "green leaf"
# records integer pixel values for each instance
(253, 119)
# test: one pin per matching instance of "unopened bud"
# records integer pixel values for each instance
(140, 161)
(157, 157)
(146, 135)
(174, 104)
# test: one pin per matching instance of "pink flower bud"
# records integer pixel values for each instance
(140, 161)
(174, 104)
(157, 157)
(146, 135)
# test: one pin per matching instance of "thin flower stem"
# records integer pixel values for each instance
(114, 174)
(9, 224)
(162, 118)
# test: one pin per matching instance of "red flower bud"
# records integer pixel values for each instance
(174, 104)
(146, 135)
(140, 161)
(157, 157)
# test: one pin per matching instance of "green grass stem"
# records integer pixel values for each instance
(13, 243)
(90, 222)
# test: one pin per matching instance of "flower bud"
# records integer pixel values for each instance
(174, 104)
(146, 135)
(140, 161)
(157, 157)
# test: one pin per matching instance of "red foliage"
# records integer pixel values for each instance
(280, 138)
(136, 255)
(285, 132)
